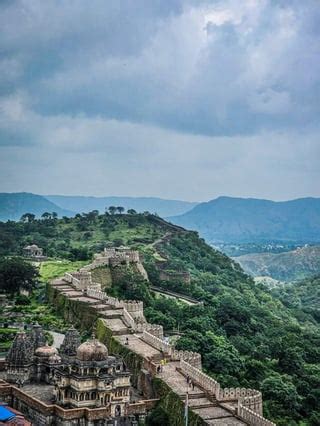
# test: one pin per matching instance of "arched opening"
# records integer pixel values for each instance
(118, 411)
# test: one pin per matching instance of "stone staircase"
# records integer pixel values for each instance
(111, 313)
(197, 402)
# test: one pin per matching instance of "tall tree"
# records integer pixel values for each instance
(120, 209)
(27, 217)
(17, 274)
(132, 211)
(46, 215)
(112, 209)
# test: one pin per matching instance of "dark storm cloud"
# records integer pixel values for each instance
(211, 68)
(122, 78)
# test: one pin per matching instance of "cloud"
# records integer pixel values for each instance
(208, 67)
(99, 156)
(200, 97)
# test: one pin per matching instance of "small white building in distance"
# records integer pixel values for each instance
(33, 251)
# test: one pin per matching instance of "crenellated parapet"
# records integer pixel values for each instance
(251, 417)
(211, 386)
(154, 329)
(249, 401)
(132, 312)
(193, 358)
(128, 319)
(133, 306)
(80, 280)
(115, 257)
(250, 398)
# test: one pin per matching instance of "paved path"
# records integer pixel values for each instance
(173, 295)
(138, 346)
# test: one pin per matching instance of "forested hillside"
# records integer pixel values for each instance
(301, 296)
(247, 335)
(288, 266)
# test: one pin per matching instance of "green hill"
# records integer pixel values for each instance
(242, 220)
(288, 266)
(246, 334)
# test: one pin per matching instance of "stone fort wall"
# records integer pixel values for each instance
(249, 401)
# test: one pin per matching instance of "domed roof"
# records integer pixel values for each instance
(46, 351)
(54, 359)
(92, 350)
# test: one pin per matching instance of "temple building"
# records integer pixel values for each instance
(93, 379)
(82, 375)
(33, 251)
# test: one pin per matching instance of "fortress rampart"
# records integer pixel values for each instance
(115, 257)
(247, 403)
(193, 358)
(183, 276)
(132, 312)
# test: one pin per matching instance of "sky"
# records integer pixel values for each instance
(172, 98)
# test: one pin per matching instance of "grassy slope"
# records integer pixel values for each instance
(246, 335)
(56, 268)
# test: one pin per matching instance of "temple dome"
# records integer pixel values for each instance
(92, 350)
(46, 351)
(54, 359)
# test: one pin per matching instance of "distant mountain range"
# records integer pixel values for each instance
(160, 206)
(241, 220)
(223, 220)
(14, 205)
(292, 265)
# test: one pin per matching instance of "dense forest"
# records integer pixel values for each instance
(301, 296)
(247, 334)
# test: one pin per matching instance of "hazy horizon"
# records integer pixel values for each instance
(161, 198)
(176, 99)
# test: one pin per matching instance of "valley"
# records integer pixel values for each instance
(286, 266)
